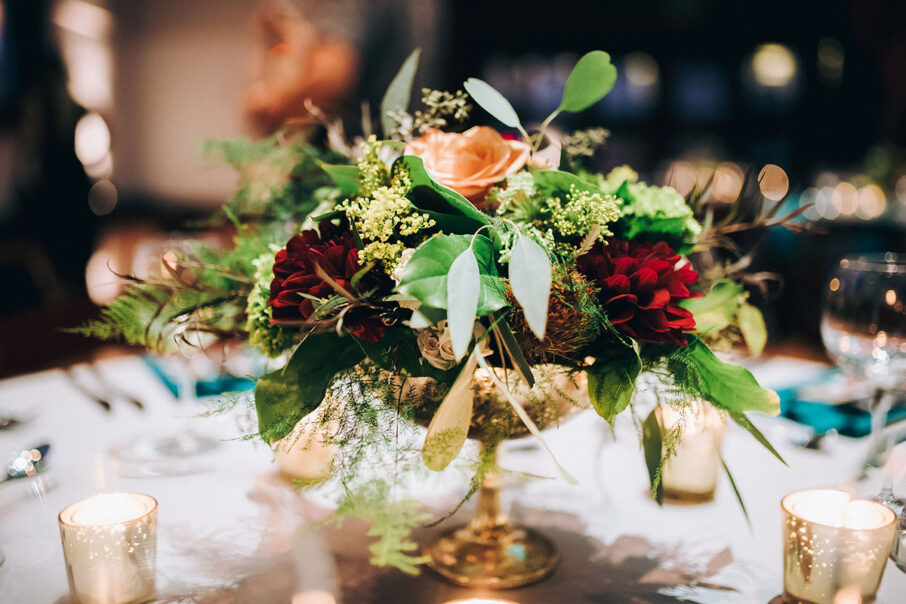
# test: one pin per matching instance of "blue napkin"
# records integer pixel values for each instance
(846, 418)
(204, 387)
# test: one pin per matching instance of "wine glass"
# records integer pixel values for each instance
(863, 325)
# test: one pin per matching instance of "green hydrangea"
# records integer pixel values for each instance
(656, 212)
(272, 340)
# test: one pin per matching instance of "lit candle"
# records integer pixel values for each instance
(303, 454)
(110, 546)
(833, 545)
(690, 474)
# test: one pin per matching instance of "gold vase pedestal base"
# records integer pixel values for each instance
(500, 557)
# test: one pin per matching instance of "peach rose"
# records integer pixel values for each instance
(471, 162)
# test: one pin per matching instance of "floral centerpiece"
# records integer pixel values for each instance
(400, 279)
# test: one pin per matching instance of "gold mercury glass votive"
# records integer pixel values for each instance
(110, 548)
(690, 474)
(833, 544)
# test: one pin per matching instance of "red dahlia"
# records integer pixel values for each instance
(640, 289)
(333, 249)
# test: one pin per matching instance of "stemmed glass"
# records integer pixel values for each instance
(863, 325)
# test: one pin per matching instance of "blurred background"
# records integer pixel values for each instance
(104, 105)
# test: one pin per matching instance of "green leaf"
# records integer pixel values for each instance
(285, 396)
(736, 492)
(530, 279)
(513, 351)
(345, 177)
(450, 425)
(716, 309)
(729, 387)
(463, 289)
(492, 101)
(652, 444)
(400, 91)
(425, 275)
(554, 181)
(746, 423)
(754, 331)
(452, 212)
(592, 78)
(611, 382)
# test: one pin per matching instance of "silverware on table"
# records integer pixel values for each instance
(111, 390)
(26, 463)
(84, 391)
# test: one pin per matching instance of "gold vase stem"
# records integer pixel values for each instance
(489, 514)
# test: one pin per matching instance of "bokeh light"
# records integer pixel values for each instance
(773, 182)
(773, 65)
(92, 139)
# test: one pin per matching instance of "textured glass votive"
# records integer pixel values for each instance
(833, 544)
(690, 474)
(110, 547)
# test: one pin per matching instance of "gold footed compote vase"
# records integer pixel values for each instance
(491, 551)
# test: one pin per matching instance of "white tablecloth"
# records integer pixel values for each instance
(229, 528)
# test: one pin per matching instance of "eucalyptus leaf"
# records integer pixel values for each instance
(399, 92)
(345, 177)
(652, 444)
(754, 331)
(492, 101)
(611, 381)
(449, 427)
(285, 396)
(589, 81)
(425, 275)
(530, 279)
(463, 288)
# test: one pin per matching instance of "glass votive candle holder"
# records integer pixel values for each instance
(833, 544)
(690, 473)
(110, 548)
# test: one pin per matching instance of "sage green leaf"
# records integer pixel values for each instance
(746, 423)
(589, 81)
(425, 275)
(285, 396)
(530, 279)
(611, 382)
(754, 331)
(729, 387)
(716, 309)
(463, 289)
(451, 211)
(400, 91)
(513, 351)
(449, 427)
(345, 177)
(736, 492)
(492, 101)
(557, 181)
(652, 445)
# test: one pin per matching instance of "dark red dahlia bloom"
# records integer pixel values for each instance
(640, 289)
(333, 249)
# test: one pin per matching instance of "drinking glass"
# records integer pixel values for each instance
(863, 325)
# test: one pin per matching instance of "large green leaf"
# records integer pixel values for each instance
(285, 396)
(492, 101)
(530, 279)
(425, 275)
(463, 289)
(729, 387)
(345, 177)
(553, 181)
(716, 309)
(652, 445)
(438, 201)
(400, 91)
(611, 381)
(592, 78)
